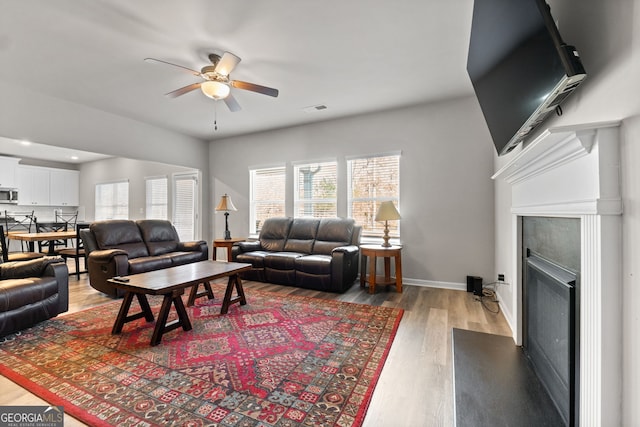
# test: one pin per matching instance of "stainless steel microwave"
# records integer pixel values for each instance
(9, 195)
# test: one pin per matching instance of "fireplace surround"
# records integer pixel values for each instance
(574, 172)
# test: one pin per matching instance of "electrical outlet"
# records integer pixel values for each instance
(500, 277)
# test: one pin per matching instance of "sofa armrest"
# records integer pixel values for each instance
(344, 267)
(106, 255)
(195, 246)
(105, 264)
(248, 246)
(60, 271)
(31, 268)
(351, 250)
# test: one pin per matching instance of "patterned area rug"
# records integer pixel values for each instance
(277, 361)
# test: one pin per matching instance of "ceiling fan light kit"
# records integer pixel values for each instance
(215, 89)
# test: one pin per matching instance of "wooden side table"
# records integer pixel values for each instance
(374, 251)
(225, 243)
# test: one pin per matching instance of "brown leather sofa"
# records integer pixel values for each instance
(31, 292)
(123, 247)
(320, 254)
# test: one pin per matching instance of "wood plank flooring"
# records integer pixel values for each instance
(416, 385)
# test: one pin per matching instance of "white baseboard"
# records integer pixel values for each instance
(435, 284)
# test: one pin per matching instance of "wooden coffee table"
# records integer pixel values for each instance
(171, 283)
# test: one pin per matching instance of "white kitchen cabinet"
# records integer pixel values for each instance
(8, 166)
(33, 185)
(64, 187)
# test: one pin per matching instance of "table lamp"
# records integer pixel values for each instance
(225, 206)
(387, 212)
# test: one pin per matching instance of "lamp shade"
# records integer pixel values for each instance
(387, 212)
(226, 204)
(215, 90)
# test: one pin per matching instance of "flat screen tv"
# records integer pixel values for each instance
(520, 68)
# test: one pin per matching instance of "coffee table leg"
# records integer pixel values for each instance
(122, 313)
(124, 310)
(162, 326)
(234, 281)
(193, 294)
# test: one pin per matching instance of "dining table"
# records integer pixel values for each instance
(52, 236)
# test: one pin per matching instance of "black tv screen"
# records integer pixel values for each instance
(520, 68)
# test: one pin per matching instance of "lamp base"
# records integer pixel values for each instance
(227, 233)
(386, 237)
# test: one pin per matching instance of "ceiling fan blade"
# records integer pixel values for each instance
(183, 90)
(194, 72)
(227, 63)
(232, 104)
(254, 88)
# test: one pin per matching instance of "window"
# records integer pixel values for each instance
(315, 190)
(373, 180)
(185, 206)
(112, 200)
(267, 195)
(157, 200)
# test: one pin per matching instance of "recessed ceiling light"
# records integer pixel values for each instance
(25, 142)
(74, 157)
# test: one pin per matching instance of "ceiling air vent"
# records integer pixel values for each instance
(314, 108)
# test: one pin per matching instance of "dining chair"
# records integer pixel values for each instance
(19, 222)
(77, 251)
(70, 218)
(49, 227)
(15, 256)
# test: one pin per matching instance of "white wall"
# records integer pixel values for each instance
(607, 37)
(446, 196)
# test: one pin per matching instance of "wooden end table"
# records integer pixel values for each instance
(373, 252)
(225, 243)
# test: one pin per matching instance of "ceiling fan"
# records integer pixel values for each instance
(217, 81)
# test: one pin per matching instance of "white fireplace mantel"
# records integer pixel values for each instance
(574, 171)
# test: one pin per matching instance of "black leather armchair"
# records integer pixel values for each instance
(31, 292)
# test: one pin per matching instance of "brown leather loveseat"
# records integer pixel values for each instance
(122, 247)
(31, 292)
(320, 254)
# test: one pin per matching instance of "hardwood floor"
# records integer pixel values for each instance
(416, 385)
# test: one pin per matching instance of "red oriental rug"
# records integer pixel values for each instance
(277, 361)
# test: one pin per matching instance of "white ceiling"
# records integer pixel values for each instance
(354, 56)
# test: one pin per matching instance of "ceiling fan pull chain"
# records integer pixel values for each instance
(215, 116)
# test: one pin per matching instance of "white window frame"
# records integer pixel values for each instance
(373, 229)
(152, 202)
(298, 201)
(179, 223)
(110, 210)
(254, 203)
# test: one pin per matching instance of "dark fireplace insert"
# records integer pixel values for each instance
(551, 283)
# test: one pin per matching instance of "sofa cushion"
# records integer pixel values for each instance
(281, 260)
(333, 232)
(255, 258)
(314, 264)
(180, 258)
(302, 235)
(121, 234)
(274, 233)
(150, 263)
(159, 235)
